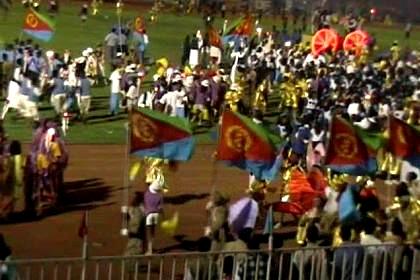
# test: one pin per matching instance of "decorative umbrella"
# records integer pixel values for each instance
(325, 40)
(243, 214)
(356, 41)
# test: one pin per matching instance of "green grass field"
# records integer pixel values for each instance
(166, 37)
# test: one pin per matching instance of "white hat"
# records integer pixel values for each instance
(85, 53)
(205, 83)
(157, 184)
(89, 50)
(51, 131)
(130, 68)
(177, 78)
(49, 53)
(119, 54)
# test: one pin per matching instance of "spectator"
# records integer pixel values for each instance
(256, 263)
(311, 262)
(6, 271)
(348, 257)
(204, 266)
(136, 230)
(400, 255)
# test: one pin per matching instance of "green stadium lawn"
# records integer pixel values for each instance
(166, 37)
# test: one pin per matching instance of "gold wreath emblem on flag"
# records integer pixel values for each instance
(238, 139)
(144, 129)
(345, 145)
(31, 20)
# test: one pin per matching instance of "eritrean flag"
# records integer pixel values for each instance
(404, 141)
(249, 146)
(154, 134)
(214, 37)
(38, 26)
(243, 27)
(347, 152)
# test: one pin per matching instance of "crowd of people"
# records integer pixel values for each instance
(245, 76)
(269, 72)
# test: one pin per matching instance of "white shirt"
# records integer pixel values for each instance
(353, 109)
(174, 99)
(115, 81)
(364, 123)
(146, 100)
(132, 92)
(384, 110)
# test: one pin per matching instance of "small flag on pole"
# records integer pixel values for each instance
(83, 228)
(268, 227)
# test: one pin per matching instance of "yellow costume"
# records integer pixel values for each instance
(288, 96)
(364, 55)
(409, 216)
(162, 65)
(154, 168)
(233, 96)
(44, 161)
(259, 100)
(395, 52)
(388, 162)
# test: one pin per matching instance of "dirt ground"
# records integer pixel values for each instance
(94, 180)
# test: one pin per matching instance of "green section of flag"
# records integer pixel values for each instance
(180, 123)
(232, 27)
(261, 131)
(46, 19)
(374, 140)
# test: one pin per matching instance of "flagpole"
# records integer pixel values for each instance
(215, 169)
(85, 253)
(126, 191)
(119, 12)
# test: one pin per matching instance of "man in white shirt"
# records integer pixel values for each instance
(111, 43)
(174, 101)
(115, 79)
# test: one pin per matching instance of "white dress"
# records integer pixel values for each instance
(13, 94)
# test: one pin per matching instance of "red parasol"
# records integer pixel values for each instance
(356, 41)
(324, 40)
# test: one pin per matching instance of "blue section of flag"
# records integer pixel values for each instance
(368, 168)
(231, 38)
(179, 150)
(262, 170)
(347, 208)
(268, 227)
(40, 35)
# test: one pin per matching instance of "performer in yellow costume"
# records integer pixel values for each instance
(233, 96)
(259, 101)
(407, 209)
(162, 65)
(395, 52)
(154, 168)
